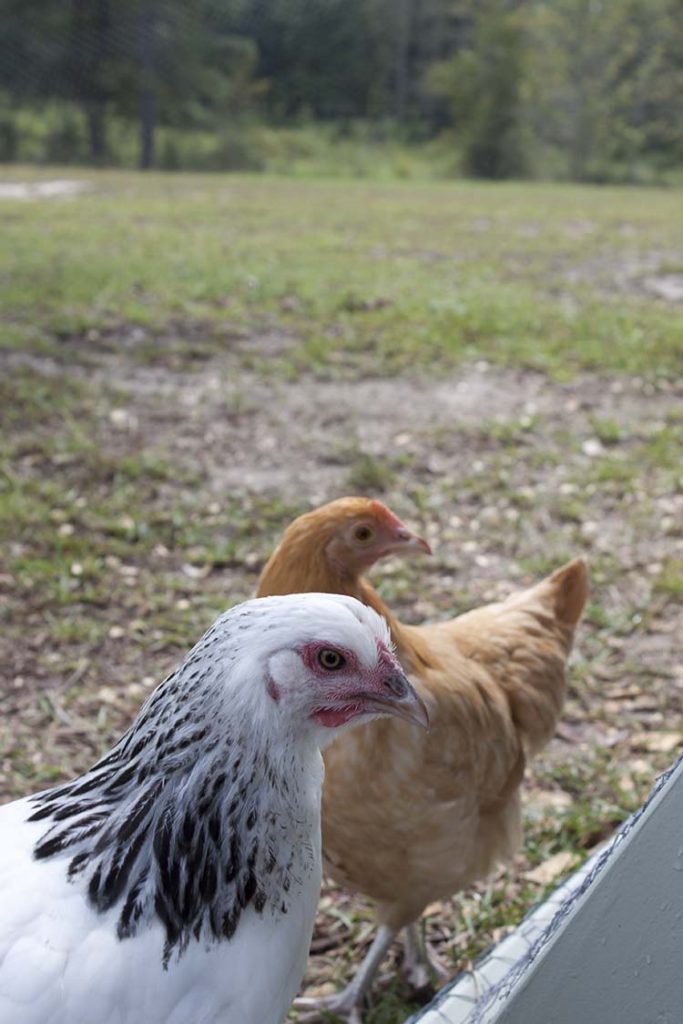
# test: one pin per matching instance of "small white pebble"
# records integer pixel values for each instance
(106, 696)
(592, 447)
(196, 572)
(116, 632)
(121, 419)
(128, 570)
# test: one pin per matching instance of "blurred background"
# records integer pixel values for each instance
(438, 261)
(584, 90)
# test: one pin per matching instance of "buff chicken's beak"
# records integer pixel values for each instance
(409, 543)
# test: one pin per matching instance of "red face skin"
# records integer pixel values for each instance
(351, 690)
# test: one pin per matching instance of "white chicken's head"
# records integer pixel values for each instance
(324, 660)
(209, 803)
(339, 663)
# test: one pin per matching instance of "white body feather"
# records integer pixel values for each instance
(62, 963)
(215, 744)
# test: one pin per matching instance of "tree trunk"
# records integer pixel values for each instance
(402, 69)
(97, 92)
(97, 131)
(148, 117)
(148, 96)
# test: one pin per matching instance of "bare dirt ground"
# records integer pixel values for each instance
(59, 188)
(507, 474)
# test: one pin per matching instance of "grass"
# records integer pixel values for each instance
(670, 579)
(407, 275)
(187, 363)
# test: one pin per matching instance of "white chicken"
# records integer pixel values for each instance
(176, 881)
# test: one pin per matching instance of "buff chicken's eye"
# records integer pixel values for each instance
(330, 659)
(363, 534)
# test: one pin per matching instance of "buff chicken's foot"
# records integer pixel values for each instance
(421, 966)
(348, 1004)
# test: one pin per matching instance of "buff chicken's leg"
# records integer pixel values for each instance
(348, 1004)
(421, 965)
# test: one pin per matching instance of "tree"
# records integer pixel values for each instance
(484, 83)
(604, 83)
(61, 50)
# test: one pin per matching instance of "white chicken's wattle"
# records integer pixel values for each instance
(177, 880)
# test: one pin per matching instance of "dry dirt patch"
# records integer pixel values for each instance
(56, 189)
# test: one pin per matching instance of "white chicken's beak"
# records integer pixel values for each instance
(402, 702)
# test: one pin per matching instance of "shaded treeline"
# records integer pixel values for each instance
(570, 88)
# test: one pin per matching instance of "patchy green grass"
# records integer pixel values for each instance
(670, 580)
(187, 363)
(555, 278)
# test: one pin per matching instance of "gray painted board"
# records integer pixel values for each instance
(614, 952)
(456, 1002)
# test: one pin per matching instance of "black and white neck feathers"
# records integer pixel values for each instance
(202, 809)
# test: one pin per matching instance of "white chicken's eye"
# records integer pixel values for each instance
(363, 534)
(330, 659)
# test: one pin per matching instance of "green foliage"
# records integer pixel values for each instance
(484, 84)
(307, 150)
(571, 88)
(601, 85)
